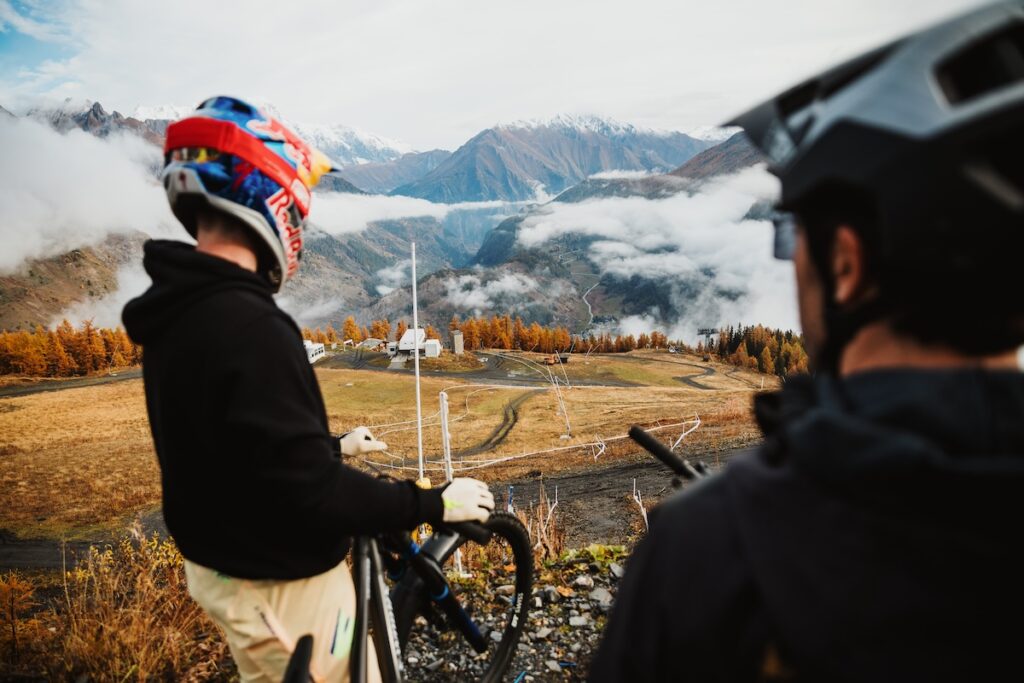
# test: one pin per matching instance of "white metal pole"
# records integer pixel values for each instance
(416, 363)
(446, 437)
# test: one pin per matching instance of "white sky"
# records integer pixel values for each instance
(435, 72)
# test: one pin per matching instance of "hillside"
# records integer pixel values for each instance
(42, 289)
(520, 161)
(731, 156)
(382, 177)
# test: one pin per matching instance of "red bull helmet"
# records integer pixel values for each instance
(230, 156)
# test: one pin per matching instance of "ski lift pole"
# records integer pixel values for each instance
(416, 364)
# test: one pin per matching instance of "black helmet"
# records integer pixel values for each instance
(925, 138)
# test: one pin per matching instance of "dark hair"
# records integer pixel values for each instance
(935, 300)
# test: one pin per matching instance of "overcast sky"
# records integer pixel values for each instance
(433, 73)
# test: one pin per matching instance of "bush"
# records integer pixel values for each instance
(123, 614)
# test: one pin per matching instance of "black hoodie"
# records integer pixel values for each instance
(875, 536)
(252, 484)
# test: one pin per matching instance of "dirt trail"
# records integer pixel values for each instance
(497, 369)
(44, 385)
(509, 418)
(595, 505)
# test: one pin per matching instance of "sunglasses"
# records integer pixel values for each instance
(785, 235)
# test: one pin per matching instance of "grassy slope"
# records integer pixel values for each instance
(78, 462)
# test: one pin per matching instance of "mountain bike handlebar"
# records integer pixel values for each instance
(474, 531)
(659, 450)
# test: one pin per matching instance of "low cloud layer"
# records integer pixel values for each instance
(340, 213)
(64, 191)
(471, 293)
(393, 277)
(105, 311)
(714, 262)
(622, 175)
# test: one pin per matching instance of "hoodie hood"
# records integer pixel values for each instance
(887, 506)
(181, 277)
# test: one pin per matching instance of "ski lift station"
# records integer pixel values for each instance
(314, 351)
(415, 339)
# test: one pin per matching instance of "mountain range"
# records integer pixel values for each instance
(557, 281)
(528, 160)
(358, 272)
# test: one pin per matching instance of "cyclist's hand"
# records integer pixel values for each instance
(467, 500)
(359, 441)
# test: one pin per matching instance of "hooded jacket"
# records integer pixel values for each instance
(252, 483)
(874, 536)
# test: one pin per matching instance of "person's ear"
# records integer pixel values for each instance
(849, 265)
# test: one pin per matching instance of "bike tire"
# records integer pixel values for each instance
(507, 529)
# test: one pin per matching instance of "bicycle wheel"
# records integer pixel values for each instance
(494, 586)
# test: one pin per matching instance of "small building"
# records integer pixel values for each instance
(428, 348)
(458, 347)
(314, 351)
(412, 339)
(371, 343)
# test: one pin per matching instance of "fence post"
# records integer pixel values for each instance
(446, 443)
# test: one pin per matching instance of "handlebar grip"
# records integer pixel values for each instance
(662, 453)
(474, 531)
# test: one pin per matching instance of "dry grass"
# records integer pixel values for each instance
(75, 459)
(449, 362)
(543, 522)
(122, 614)
(79, 463)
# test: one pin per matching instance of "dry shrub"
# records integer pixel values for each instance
(125, 614)
(23, 636)
(546, 533)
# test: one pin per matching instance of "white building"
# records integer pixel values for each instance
(314, 352)
(429, 348)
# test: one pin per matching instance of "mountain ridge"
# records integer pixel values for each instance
(517, 163)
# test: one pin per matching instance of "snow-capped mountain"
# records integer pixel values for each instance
(600, 125)
(93, 118)
(714, 134)
(164, 112)
(350, 146)
(526, 159)
(344, 144)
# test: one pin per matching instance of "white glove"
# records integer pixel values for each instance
(359, 441)
(467, 500)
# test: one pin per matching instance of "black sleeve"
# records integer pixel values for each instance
(273, 412)
(686, 608)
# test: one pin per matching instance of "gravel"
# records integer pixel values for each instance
(557, 644)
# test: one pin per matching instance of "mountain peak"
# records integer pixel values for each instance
(163, 112)
(582, 122)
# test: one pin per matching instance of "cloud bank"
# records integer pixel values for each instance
(714, 262)
(470, 292)
(394, 276)
(339, 213)
(64, 191)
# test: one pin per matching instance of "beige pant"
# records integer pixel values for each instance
(264, 619)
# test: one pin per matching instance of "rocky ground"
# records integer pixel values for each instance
(568, 609)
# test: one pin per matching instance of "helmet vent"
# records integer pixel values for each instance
(991, 64)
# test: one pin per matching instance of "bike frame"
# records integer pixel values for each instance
(374, 600)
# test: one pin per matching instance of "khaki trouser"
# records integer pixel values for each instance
(264, 619)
